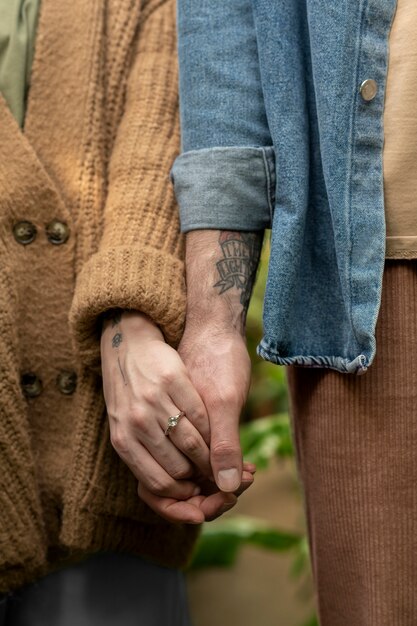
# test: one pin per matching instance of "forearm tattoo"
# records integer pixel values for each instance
(238, 265)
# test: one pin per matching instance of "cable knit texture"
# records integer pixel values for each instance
(101, 133)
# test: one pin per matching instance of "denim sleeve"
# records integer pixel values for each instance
(225, 177)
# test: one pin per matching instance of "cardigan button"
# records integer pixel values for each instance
(368, 89)
(67, 382)
(57, 232)
(24, 232)
(31, 385)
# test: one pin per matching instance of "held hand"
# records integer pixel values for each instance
(219, 368)
(144, 383)
(220, 272)
(207, 506)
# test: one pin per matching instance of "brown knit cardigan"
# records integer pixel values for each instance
(100, 135)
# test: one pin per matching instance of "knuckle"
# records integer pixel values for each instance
(198, 416)
(180, 473)
(150, 394)
(222, 449)
(168, 376)
(228, 396)
(120, 442)
(231, 397)
(190, 444)
(139, 420)
(159, 485)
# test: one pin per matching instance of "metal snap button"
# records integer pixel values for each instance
(57, 232)
(66, 382)
(368, 89)
(24, 232)
(31, 385)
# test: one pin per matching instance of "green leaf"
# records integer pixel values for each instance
(218, 550)
(221, 541)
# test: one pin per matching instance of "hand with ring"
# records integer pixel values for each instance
(209, 504)
(158, 422)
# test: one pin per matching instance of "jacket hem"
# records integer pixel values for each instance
(358, 365)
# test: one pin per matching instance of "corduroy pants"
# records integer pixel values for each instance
(356, 445)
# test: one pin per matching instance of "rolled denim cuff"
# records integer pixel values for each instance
(225, 188)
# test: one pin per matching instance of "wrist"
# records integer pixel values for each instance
(211, 329)
(132, 322)
(215, 318)
(220, 270)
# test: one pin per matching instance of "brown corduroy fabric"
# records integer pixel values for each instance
(100, 135)
(356, 441)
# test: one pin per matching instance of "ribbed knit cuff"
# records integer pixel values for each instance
(170, 545)
(144, 279)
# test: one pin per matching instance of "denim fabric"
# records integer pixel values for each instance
(210, 204)
(284, 76)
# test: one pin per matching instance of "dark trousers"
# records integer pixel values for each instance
(106, 590)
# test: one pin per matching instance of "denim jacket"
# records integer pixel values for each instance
(282, 121)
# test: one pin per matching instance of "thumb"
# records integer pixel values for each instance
(225, 452)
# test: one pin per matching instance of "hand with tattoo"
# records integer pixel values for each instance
(145, 382)
(221, 269)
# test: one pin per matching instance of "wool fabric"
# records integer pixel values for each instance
(100, 134)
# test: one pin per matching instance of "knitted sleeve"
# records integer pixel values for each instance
(139, 264)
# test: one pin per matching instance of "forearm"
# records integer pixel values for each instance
(221, 269)
(138, 264)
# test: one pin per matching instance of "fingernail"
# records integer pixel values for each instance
(246, 480)
(196, 491)
(228, 480)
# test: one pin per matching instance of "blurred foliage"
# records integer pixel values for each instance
(266, 438)
(262, 440)
(268, 394)
(265, 435)
(223, 540)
